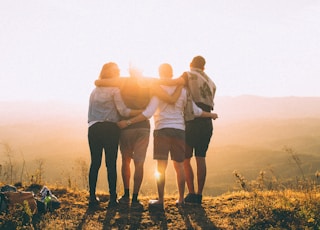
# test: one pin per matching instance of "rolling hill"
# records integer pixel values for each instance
(252, 134)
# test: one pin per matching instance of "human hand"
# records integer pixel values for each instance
(214, 116)
(122, 124)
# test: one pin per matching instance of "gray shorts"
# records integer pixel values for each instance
(134, 143)
(169, 140)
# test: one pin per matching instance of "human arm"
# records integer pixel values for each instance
(124, 123)
(198, 112)
(111, 82)
(146, 114)
(209, 115)
(164, 96)
(122, 108)
(170, 82)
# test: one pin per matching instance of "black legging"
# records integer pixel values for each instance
(103, 135)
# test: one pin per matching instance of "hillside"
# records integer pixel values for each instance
(251, 135)
(237, 210)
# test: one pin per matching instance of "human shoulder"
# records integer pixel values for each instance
(185, 77)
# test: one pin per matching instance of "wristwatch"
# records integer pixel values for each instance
(129, 122)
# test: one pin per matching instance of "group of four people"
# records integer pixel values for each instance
(119, 112)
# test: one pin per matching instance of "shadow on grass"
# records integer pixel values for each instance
(89, 212)
(195, 217)
(109, 222)
(158, 216)
(135, 218)
(123, 217)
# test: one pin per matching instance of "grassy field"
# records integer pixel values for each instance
(263, 169)
(286, 209)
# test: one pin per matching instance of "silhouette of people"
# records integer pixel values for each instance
(169, 137)
(105, 105)
(198, 130)
(134, 137)
(169, 134)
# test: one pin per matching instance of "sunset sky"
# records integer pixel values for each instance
(54, 50)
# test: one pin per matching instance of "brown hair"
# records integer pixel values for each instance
(109, 70)
(198, 62)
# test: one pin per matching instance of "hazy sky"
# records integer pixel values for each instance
(54, 50)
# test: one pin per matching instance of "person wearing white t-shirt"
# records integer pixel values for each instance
(169, 135)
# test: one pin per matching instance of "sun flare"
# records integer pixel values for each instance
(157, 175)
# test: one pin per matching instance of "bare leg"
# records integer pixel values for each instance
(125, 170)
(162, 165)
(178, 166)
(201, 173)
(138, 176)
(189, 175)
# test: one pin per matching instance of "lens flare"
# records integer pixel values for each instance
(157, 175)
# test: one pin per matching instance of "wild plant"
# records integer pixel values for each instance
(241, 180)
(17, 217)
(83, 169)
(39, 170)
(261, 180)
(296, 159)
(8, 171)
(23, 167)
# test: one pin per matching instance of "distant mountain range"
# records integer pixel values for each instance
(229, 109)
(249, 107)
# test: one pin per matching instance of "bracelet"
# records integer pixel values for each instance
(129, 122)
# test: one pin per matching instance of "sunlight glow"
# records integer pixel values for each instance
(157, 174)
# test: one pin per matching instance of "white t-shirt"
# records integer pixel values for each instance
(169, 115)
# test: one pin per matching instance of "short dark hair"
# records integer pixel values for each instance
(198, 62)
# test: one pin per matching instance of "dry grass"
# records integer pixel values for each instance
(238, 210)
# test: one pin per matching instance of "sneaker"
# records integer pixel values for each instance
(124, 200)
(136, 205)
(199, 199)
(113, 201)
(179, 204)
(155, 204)
(94, 202)
(113, 204)
(191, 198)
